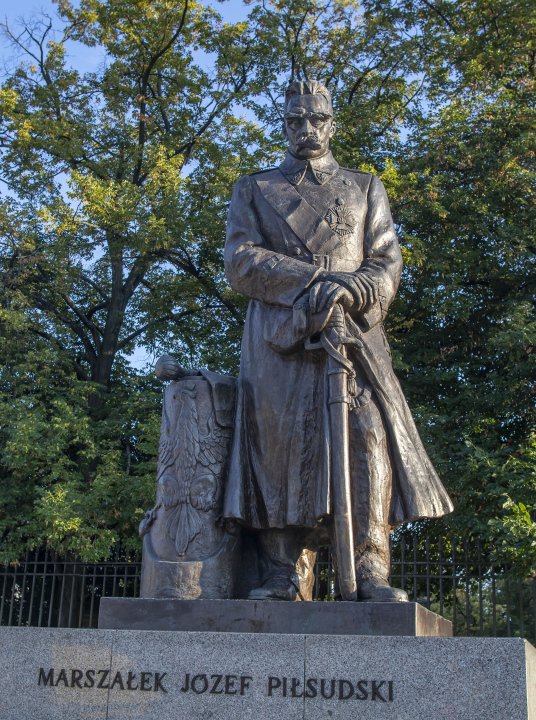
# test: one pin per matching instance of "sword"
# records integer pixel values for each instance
(341, 389)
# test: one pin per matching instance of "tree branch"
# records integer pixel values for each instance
(96, 287)
(82, 375)
(433, 8)
(96, 331)
(170, 316)
(43, 304)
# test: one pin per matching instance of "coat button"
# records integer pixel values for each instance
(346, 182)
(297, 251)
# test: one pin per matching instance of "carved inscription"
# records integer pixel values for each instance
(216, 684)
(220, 684)
(381, 690)
(102, 679)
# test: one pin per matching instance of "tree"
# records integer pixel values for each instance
(114, 230)
(463, 327)
(112, 237)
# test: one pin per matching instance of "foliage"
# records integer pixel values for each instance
(463, 326)
(113, 230)
(112, 234)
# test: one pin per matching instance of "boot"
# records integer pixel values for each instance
(276, 588)
(374, 588)
(279, 552)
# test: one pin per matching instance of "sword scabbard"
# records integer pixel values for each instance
(338, 368)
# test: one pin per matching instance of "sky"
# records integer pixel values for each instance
(83, 58)
(87, 59)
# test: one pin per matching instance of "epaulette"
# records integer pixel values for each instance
(258, 172)
(357, 172)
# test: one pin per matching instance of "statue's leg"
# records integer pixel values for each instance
(279, 554)
(371, 497)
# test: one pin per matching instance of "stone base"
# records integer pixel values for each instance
(139, 675)
(261, 616)
(211, 577)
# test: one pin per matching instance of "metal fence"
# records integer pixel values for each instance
(452, 578)
(47, 591)
(455, 579)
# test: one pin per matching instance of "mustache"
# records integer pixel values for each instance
(312, 140)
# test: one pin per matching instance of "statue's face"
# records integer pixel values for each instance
(308, 126)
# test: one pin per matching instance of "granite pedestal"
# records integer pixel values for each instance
(49, 674)
(257, 616)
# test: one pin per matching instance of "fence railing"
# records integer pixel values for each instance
(44, 591)
(452, 578)
(455, 579)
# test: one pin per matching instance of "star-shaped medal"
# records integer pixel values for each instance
(340, 219)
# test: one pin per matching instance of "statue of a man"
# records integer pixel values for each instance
(324, 444)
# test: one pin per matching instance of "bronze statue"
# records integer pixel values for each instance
(324, 445)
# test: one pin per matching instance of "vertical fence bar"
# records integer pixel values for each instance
(494, 600)
(440, 553)
(402, 561)
(12, 601)
(467, 594)
(4, 594)
(415, 545)
(454, 618)
(42, 598)
(317, 578)
(50, 609)
(534, 604)
(24, 575)
(73, 587)
(60, 611)
(92, 596)
(32, 594)
(331, 577)
(136, 579)
(521, 619)
(508, 607)
(82, 596)
(427, 546)
(480, 600)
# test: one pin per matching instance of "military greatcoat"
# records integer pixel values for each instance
(288, 228)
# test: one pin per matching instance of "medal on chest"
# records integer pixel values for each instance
(340, 218)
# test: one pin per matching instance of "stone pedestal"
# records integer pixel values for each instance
(312, 618)
(144, 675)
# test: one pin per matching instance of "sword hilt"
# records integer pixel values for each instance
(337, 322)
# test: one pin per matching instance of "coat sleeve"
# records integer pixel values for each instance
(382, 259)
(382, 256)
(253, 269)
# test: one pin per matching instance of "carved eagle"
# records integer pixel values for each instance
(184, 449)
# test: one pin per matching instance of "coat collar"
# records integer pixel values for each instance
(323, 168)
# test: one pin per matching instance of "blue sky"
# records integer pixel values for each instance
(87, 59)
(83, 58)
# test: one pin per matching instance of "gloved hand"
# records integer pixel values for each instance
(324, 295)
(364, 290)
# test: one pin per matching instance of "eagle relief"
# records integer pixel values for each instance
(189, 551)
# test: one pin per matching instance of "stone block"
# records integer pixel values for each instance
(255, 616)
(148, 675)
(420, 678)
(36, 673)
(207, 675)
